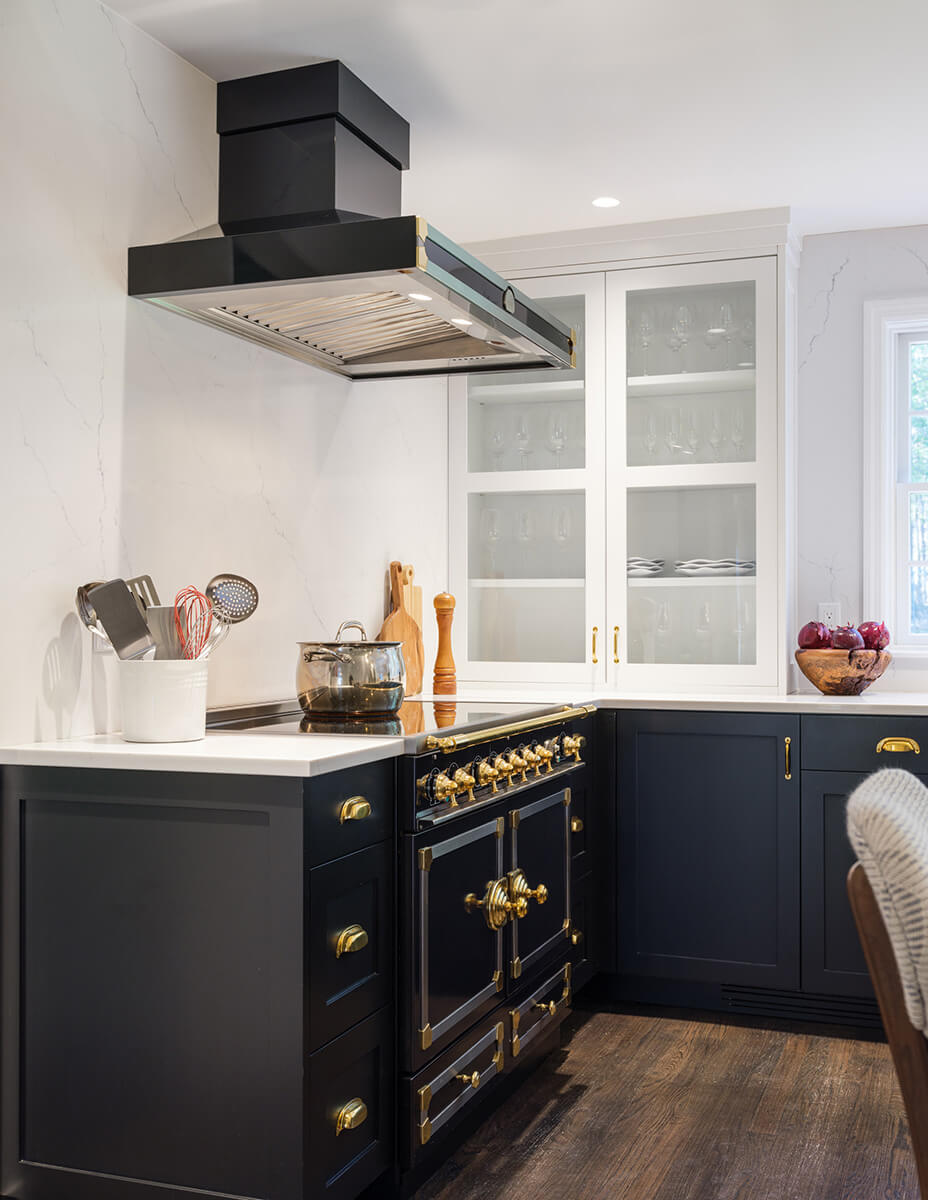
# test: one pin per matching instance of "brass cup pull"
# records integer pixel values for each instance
(473, 1080)
(898, 745)
(548, 1009)
(350, 1115)
(355, 808)
(351, 940)
(576, 824)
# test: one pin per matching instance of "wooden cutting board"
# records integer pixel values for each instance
(400, 627)
(412, 595)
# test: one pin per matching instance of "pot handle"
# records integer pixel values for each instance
(351, 625)
(325, 656)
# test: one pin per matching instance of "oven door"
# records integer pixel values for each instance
(460, 910)
(540, 872)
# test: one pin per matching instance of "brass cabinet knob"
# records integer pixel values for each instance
(473, 1080)
(497, 905)
(355, 808)
(548, 1009)
(464, 782)
(351, 940)
(576, 937)
(573, 745)
(487, 775)
(576, 825)
(350, 1115)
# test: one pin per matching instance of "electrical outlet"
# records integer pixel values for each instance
(829, 613)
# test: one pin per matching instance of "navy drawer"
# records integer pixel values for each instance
(849, 743)
(348, 810)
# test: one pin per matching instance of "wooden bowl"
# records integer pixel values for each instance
(842, 672)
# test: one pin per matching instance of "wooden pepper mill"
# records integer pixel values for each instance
(444, 681)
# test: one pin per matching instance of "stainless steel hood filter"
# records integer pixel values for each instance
(314, 260)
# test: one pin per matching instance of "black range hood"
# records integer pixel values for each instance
(311, 257)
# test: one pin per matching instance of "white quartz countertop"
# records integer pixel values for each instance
(266, 752)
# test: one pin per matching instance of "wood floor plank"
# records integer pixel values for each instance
(637, 1107)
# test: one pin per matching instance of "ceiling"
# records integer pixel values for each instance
(523, 111)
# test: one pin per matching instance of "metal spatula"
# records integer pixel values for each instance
(144, 591)
(119, 615)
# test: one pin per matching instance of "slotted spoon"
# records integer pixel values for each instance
(233, 597)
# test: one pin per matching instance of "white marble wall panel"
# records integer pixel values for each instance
(132, 440)
(838, 273)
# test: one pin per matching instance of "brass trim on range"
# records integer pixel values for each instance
(425, 1037)
(350, 1115)
(425, 859)
(447, 744)
(898, 745)
(355, 808)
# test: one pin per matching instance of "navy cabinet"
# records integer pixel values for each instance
(708, 847)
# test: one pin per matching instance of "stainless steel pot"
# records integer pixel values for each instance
(350, 679)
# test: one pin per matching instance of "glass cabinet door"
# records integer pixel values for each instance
(692, 538)
(527, 506)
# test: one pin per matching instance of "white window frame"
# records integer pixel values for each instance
(887, 325)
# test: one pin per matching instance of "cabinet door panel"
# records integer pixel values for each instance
(709, 847)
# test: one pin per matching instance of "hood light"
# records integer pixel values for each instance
(420, 296)
(460, 321)
(606, 202)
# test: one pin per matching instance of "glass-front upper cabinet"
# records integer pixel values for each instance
(527, 506)
(692, 526)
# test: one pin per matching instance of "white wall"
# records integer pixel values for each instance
(838, 272)
(132, 440)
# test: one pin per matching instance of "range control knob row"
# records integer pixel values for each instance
(573, 745)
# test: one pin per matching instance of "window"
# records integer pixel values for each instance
(896, 469)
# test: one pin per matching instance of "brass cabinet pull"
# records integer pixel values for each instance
(595, 632)
(351, 940)
(576, 825)
(473, 1080)
(615, 643)
(350, 1115)
(786, 745)
(355, 808)
(897, 745)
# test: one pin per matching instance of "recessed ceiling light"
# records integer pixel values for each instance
(460, 321)
(606, 202)
(419, 296)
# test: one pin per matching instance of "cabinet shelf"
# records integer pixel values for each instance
(550, 390)
(526, 583)
(690, 383)
(690, 581)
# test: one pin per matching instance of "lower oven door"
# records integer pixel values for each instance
(540, 844)
(460, 910)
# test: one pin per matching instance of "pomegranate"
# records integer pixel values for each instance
(875, 635)
(814, 636)
(846, 637)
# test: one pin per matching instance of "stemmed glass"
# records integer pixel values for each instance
(747, 338)
(645, 337)
(525, 532)
(650, 436)
(722, 330)
(682, 331)
(497, 446)
(693, 440)
(672, 432)
(492, 532)
(523, 440)
(716, 438)
(557, 435)
(737, 430)
(560, 529)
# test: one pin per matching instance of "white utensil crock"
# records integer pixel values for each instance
(163, 700)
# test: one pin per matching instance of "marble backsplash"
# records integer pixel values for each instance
(133, 440)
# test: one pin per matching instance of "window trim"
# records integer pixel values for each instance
(884, 322)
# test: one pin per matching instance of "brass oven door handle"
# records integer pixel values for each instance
(595, 632)
(898, 745)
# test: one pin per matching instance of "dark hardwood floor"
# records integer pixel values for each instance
(639, 1108)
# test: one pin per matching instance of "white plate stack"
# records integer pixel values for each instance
(711, 567)
(641, 568)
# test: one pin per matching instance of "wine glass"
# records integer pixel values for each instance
(491, 531)
(747, 339)
(525, 532)
(693, 440)
(737, 430)
(682, 331)
(650, 436)
(557, 435)
(497, 446)
(704, 632)
(725, 328)
(561, 527)
(645, 337)
(523, 440)
(672, 432)
(716, 438)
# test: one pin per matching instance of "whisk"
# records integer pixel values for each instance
(193, 618)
